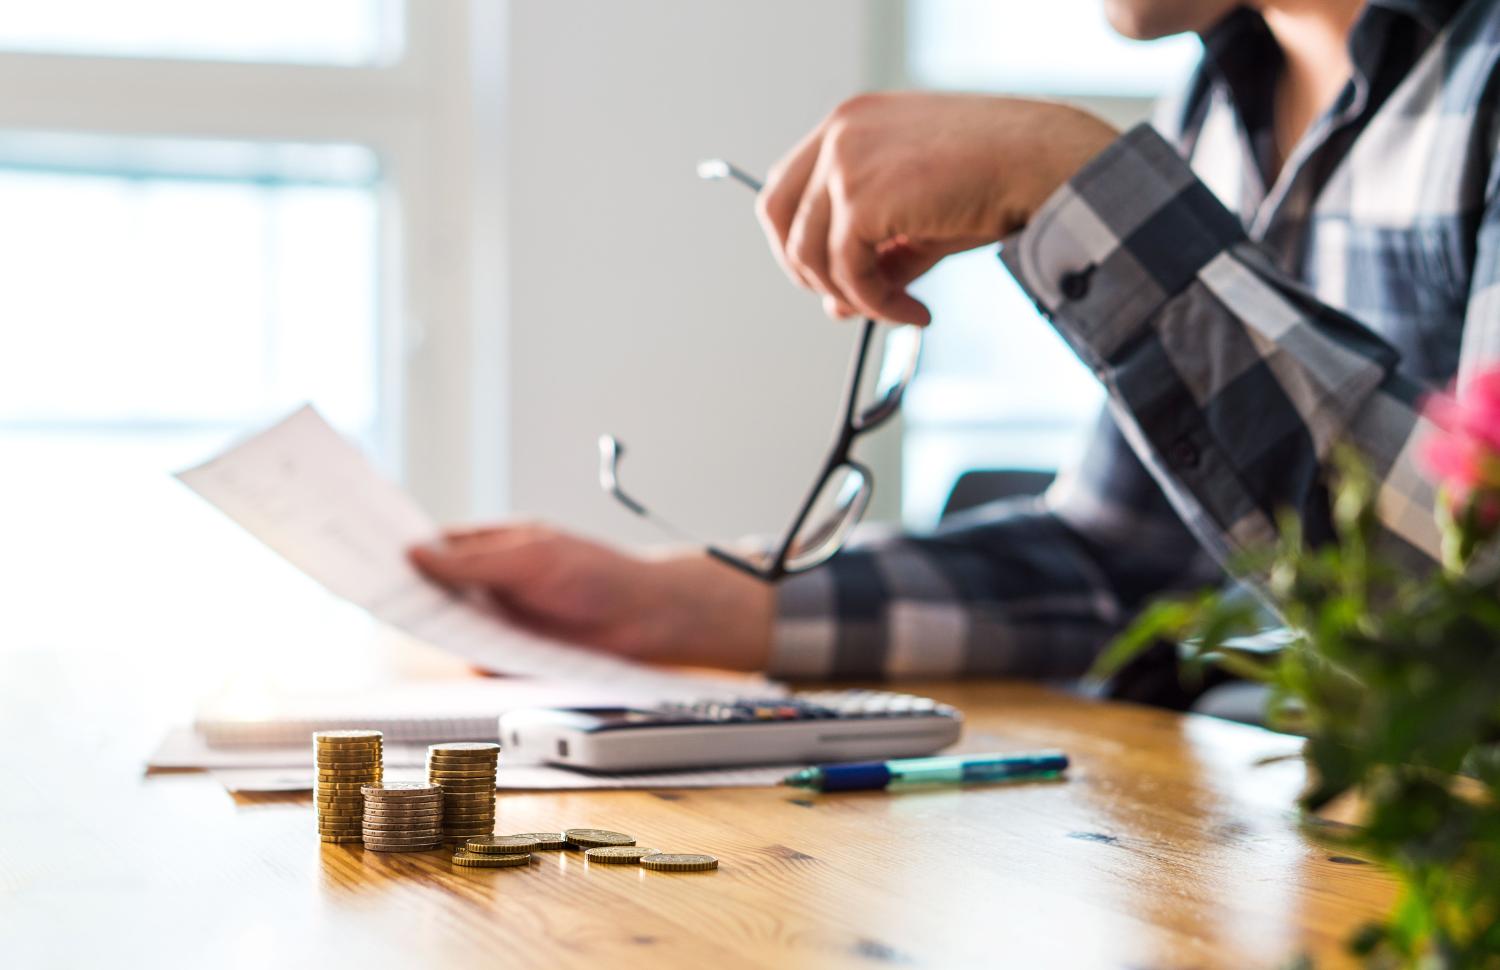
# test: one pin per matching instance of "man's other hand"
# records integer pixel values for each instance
(889, 184)
(679, 609)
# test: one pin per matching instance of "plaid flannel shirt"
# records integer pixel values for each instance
(1242, 328)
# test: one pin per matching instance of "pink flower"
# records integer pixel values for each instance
(1465, 456)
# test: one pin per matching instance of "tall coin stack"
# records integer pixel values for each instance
(466, 772)
(403, 816)
(346, 761)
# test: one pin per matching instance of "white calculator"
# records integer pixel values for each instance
(805, 728)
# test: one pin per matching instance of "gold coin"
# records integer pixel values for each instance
(425, 813)
(451, 786)
(339, 804)
(381, 846)
(501, 844)
(431, 825)
(592, 838)
(464, 747)
(401, 789)
(347, 737)
(409, 804)
(545, 840)
(679, 862)
(617, 855)
(339, 839)
(345, 767)
(481, 861)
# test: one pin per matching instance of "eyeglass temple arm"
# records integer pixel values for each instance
(717, 168)
(610, 453)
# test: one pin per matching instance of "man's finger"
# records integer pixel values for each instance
(807, 243)
(854, 265)
(776, 205)
(495, 565)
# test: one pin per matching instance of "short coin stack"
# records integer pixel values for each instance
(403, 816)
(466, 772)
(345, 761)
(496, 851)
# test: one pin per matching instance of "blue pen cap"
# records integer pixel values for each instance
(859, 776)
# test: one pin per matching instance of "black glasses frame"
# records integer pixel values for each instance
(852, 423)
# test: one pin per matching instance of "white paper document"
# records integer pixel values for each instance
(312, 496)
(514, 777)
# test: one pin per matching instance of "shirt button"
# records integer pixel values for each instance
(1184, 454)
(1075, 284)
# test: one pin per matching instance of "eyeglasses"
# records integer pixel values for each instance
(842, 491)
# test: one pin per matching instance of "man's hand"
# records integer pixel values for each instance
(889, 184)
(683, 609)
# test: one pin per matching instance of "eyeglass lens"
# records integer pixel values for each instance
(835, 510)
(897, 350)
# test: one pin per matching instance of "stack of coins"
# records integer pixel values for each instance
(403, 816)
(496, 851)
(466, 772)
(345, 761)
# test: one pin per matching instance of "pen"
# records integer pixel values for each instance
(951, 770)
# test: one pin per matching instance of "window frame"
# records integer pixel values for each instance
(434, 117)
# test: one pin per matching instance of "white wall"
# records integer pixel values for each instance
(642, 301)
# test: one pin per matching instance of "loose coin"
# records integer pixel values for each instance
(482, 861)
(501, 844)
(678, 862)
(618, 855)
(592, 838)
(545, 840)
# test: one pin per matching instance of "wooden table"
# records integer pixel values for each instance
(1167, 847)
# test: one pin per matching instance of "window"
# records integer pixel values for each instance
(224, 282)
(998, 388)
(341, 32)
(214, 212)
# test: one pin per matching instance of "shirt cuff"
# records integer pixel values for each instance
(804, 636)
(1108, 249)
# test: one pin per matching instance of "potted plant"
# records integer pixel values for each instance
(1394, 679)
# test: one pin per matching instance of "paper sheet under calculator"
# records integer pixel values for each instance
(308, 493)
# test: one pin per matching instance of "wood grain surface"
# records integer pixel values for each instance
(1167, 846)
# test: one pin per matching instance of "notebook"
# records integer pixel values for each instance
(423, 712)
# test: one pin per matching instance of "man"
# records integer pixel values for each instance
(1310, 242)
